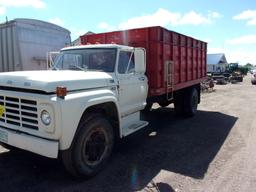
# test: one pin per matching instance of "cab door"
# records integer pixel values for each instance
(133, 86)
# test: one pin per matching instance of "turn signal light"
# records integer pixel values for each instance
(61, 91)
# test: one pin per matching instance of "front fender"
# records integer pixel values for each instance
(73, 107)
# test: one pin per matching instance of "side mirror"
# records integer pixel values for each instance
(140, 60)
(51, 56)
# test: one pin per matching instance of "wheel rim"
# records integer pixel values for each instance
(95, 147)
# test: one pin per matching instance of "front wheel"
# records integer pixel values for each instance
(91, 149)
(8, 147)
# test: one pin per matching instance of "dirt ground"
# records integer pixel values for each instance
(214, 151)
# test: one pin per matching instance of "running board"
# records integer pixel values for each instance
(132, 123)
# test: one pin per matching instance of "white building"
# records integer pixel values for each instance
(216, 63)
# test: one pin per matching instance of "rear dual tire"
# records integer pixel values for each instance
(186, 102)
(191, 103)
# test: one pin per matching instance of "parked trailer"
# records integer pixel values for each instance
(95, 94)
(24, 44)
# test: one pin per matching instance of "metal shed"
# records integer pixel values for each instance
(24, 43)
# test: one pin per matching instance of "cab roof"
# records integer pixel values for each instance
(97, 46)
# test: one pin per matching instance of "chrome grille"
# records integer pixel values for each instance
(19, 112)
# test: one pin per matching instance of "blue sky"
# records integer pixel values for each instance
(229, 26)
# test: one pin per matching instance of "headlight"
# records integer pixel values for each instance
(45, 117)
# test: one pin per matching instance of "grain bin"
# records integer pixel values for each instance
(24, 43)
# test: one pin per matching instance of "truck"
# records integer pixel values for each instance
(95, 93)
(24, 43)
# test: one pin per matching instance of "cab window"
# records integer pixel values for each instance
(126, 62)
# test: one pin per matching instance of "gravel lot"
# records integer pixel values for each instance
(214, 151)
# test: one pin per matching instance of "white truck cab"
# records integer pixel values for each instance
(92, 95)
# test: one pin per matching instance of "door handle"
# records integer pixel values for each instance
(142, 78)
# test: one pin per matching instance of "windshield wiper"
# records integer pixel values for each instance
(54, 68)
(77, 67)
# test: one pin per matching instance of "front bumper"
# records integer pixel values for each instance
(44, 147)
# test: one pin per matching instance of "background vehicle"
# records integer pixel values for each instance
(24, 44)
(253, 77)
(95, 94)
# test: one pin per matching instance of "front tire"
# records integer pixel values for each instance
(8, 147)
(91, 148)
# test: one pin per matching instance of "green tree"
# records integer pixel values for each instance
(249, 66)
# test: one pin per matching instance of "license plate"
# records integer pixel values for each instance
(3, 136)
(2, 110)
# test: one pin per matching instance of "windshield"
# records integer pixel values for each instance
(93, 59)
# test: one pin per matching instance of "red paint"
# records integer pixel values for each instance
(187, 54)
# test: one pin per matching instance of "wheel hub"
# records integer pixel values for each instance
(95, 147)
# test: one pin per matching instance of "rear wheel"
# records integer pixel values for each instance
(164, 103)
(91, 149)
(179, 103)
(191, 102)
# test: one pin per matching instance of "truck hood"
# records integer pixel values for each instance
(47, 81)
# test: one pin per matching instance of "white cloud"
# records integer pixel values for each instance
(105, 26)
(56, 21)
(164, 18)
(193, 18)
(161, 17)
(252, 21)
(249, 15)
(22, 3)
(208, 40)
(76, 32)
(2, 10)
(215, 50)
(214, 15)
(79, 32)
(247, 39)
(241, 56)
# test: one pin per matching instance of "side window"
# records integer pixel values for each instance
(126, 62)
(131, 67)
